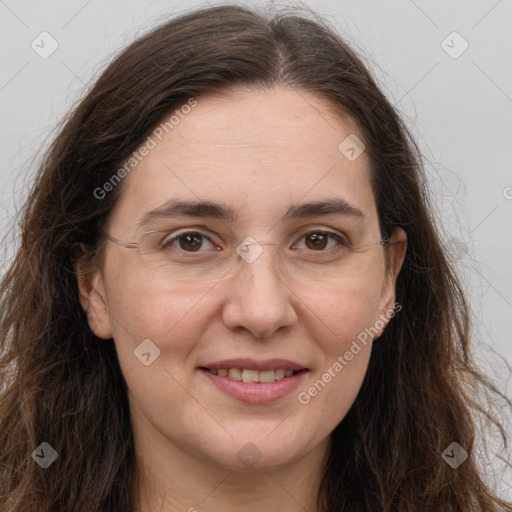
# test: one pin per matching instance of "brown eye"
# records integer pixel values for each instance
(190, 241)
(316, 240)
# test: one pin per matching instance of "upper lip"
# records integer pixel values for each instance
(252, 364)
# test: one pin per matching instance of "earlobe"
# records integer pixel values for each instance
(91, 294)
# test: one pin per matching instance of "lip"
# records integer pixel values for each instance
(251, 364)
(256, 392)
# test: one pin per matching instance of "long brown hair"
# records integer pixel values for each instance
(62, 385)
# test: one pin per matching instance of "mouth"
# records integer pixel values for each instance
(253, 376)
(255, 386)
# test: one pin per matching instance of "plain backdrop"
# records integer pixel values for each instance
(446, 66)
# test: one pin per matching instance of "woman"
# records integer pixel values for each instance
(230, 293)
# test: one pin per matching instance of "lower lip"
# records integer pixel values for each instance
(256, 392)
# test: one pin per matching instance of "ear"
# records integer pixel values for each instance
(92, 293)
(397, 252)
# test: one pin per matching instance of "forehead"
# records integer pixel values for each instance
(259, 151)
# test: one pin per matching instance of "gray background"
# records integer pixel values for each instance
(459, 109)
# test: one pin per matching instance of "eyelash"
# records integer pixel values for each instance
(331, 234)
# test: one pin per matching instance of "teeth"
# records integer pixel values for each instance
(244, 375)
(267, 376)
(235, 374)
(279, 374)
(249, 375)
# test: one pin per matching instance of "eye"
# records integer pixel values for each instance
(318, 240)
(194, 241)
(189, 241)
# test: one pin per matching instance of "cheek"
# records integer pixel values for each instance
(344, 321)
(343, 310)
(143, 308)
(174, 321)
(142, 303)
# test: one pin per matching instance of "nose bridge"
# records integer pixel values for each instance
(259, 300)
(252, 251)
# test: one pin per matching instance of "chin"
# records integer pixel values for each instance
(250, 453)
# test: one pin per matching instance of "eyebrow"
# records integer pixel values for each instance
(210, 209)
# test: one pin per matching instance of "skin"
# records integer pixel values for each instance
(259, 152)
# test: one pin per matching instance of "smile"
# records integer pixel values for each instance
(245, 375)
(253, 386)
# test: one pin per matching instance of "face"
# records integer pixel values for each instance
(257, 153)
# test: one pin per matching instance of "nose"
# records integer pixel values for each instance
(258, 299)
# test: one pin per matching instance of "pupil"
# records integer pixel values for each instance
(188, 237)
(319, 239)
